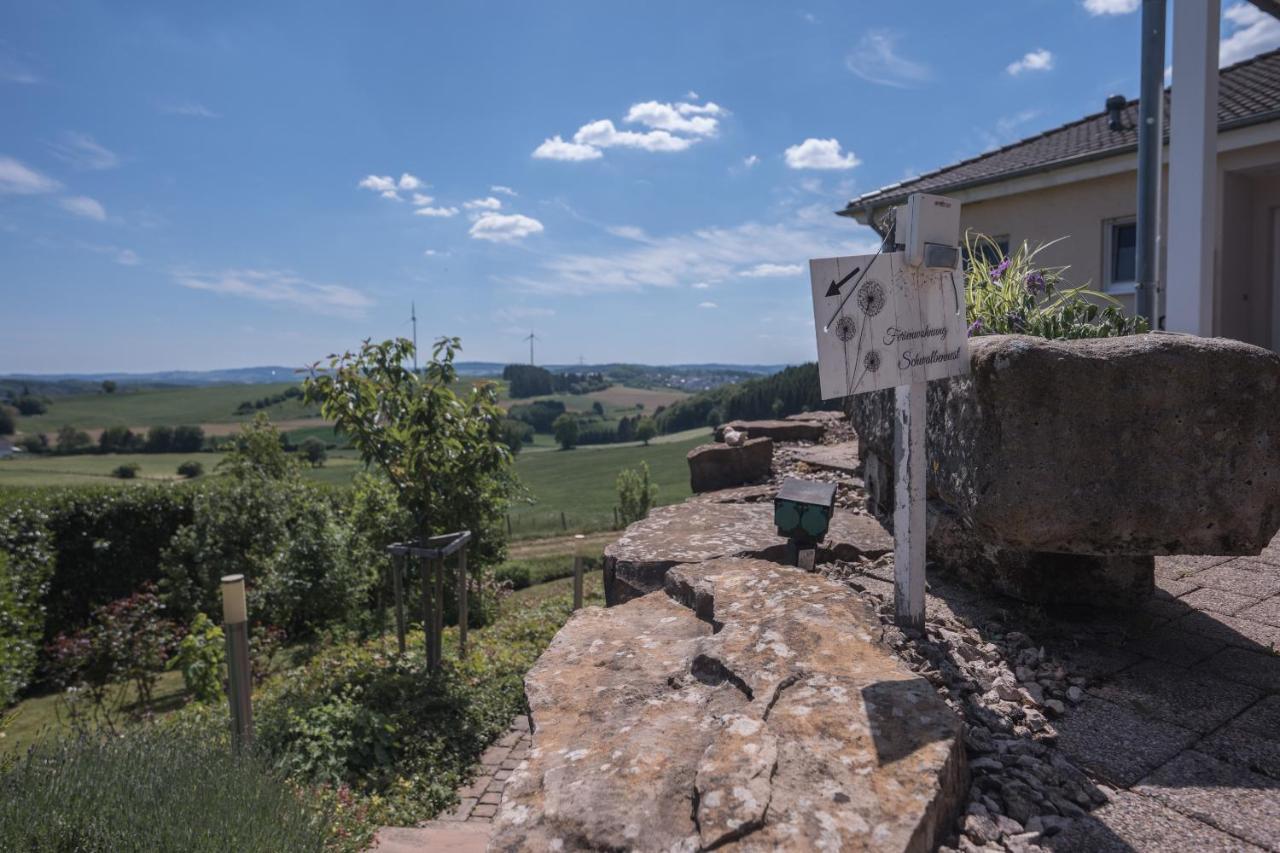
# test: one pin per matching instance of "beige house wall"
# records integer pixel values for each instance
(1080, 207)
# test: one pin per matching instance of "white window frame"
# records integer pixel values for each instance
(1108, 237)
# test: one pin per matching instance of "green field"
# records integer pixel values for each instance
(170, 407)
(580, 483)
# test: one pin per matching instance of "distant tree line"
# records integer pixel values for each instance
(248, 407)
(526, 380)
(786, 393)
(118, 439)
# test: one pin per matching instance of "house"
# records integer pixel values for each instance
(1079, 181)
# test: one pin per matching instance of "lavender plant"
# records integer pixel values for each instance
(1015, 295)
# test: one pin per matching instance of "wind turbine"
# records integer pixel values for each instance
(532, 337)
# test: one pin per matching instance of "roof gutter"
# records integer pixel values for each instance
(860, 211)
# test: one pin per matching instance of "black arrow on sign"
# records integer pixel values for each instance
(834, 289)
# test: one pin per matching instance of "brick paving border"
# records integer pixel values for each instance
(478, 801)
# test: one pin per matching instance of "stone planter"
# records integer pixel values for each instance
(1109, 450)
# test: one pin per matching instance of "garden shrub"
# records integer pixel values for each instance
(1012, 294)
(517, 575)
(156, 788)
(19, 636)
(636, 494)
(190, 469)
(127, 471)
(401, 737)
(202, 659)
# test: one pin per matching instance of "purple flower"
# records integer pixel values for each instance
(1035, 282)
(975, 327)
(998, 271)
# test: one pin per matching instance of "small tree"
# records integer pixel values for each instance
(159, 439)
(72, 440)
(127, 471)
(598, 408)
(116, 439)
(566, 431)
(314, 451)
(108, 386)
(258, 451)
(636, 494)
(29, 405)
(646, 430)
(188, 439)
(443, 454)
(8, 423)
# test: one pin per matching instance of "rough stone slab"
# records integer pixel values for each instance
(777, 430)
(1234, 800)
(1218, 601)
(841, 457)
(1117, 743)
(1189, 698)
(719, 466)
(790, 726)
(763, 493)
(638, 561)
(1131, 822)
(1251, 740)
(1147, 444)
(825, 416)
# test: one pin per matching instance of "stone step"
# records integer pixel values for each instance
(433, 837)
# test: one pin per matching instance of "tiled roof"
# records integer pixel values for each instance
(1248, 93)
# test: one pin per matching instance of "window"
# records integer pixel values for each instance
(1120, 254)
(985, 248)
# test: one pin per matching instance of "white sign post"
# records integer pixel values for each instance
(884, 323)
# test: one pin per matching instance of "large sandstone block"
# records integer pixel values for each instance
(1142, 445)
(763, 714)
(719, 466)
(825, 416)
(638, 561)
(806, 430)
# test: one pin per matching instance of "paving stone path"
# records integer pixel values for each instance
(465, 829)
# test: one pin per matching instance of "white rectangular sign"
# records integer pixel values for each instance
(882, 323)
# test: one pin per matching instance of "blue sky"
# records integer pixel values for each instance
(225, 184)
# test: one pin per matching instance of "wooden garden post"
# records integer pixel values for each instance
(235, 618)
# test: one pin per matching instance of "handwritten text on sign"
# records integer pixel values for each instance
(882, 323)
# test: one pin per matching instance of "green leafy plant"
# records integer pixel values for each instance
(127, 471)
(1013, 294)
(190, 469)
(202, 657)
(636, 494)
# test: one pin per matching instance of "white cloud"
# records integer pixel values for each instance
(707, 305)
(81, 151)
(556, 148)
(499, 188)
(1253, 31)
(17, 179)
(1111, 7)
(410, 182)
(819, 154)
(701, 285)
(703, 256)
(628, 232)
(771, 271)
(1032, 60)
(378, 183)
(874, 59)
(279, 287)
(603, 134)
(682, 117)
(127, 257)
(82, 205)
(488, 203)
(672, 127)
(441, 212)
(504, 228)
(434, 253)
(421, 200)
(190, 109)
(751, 161)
